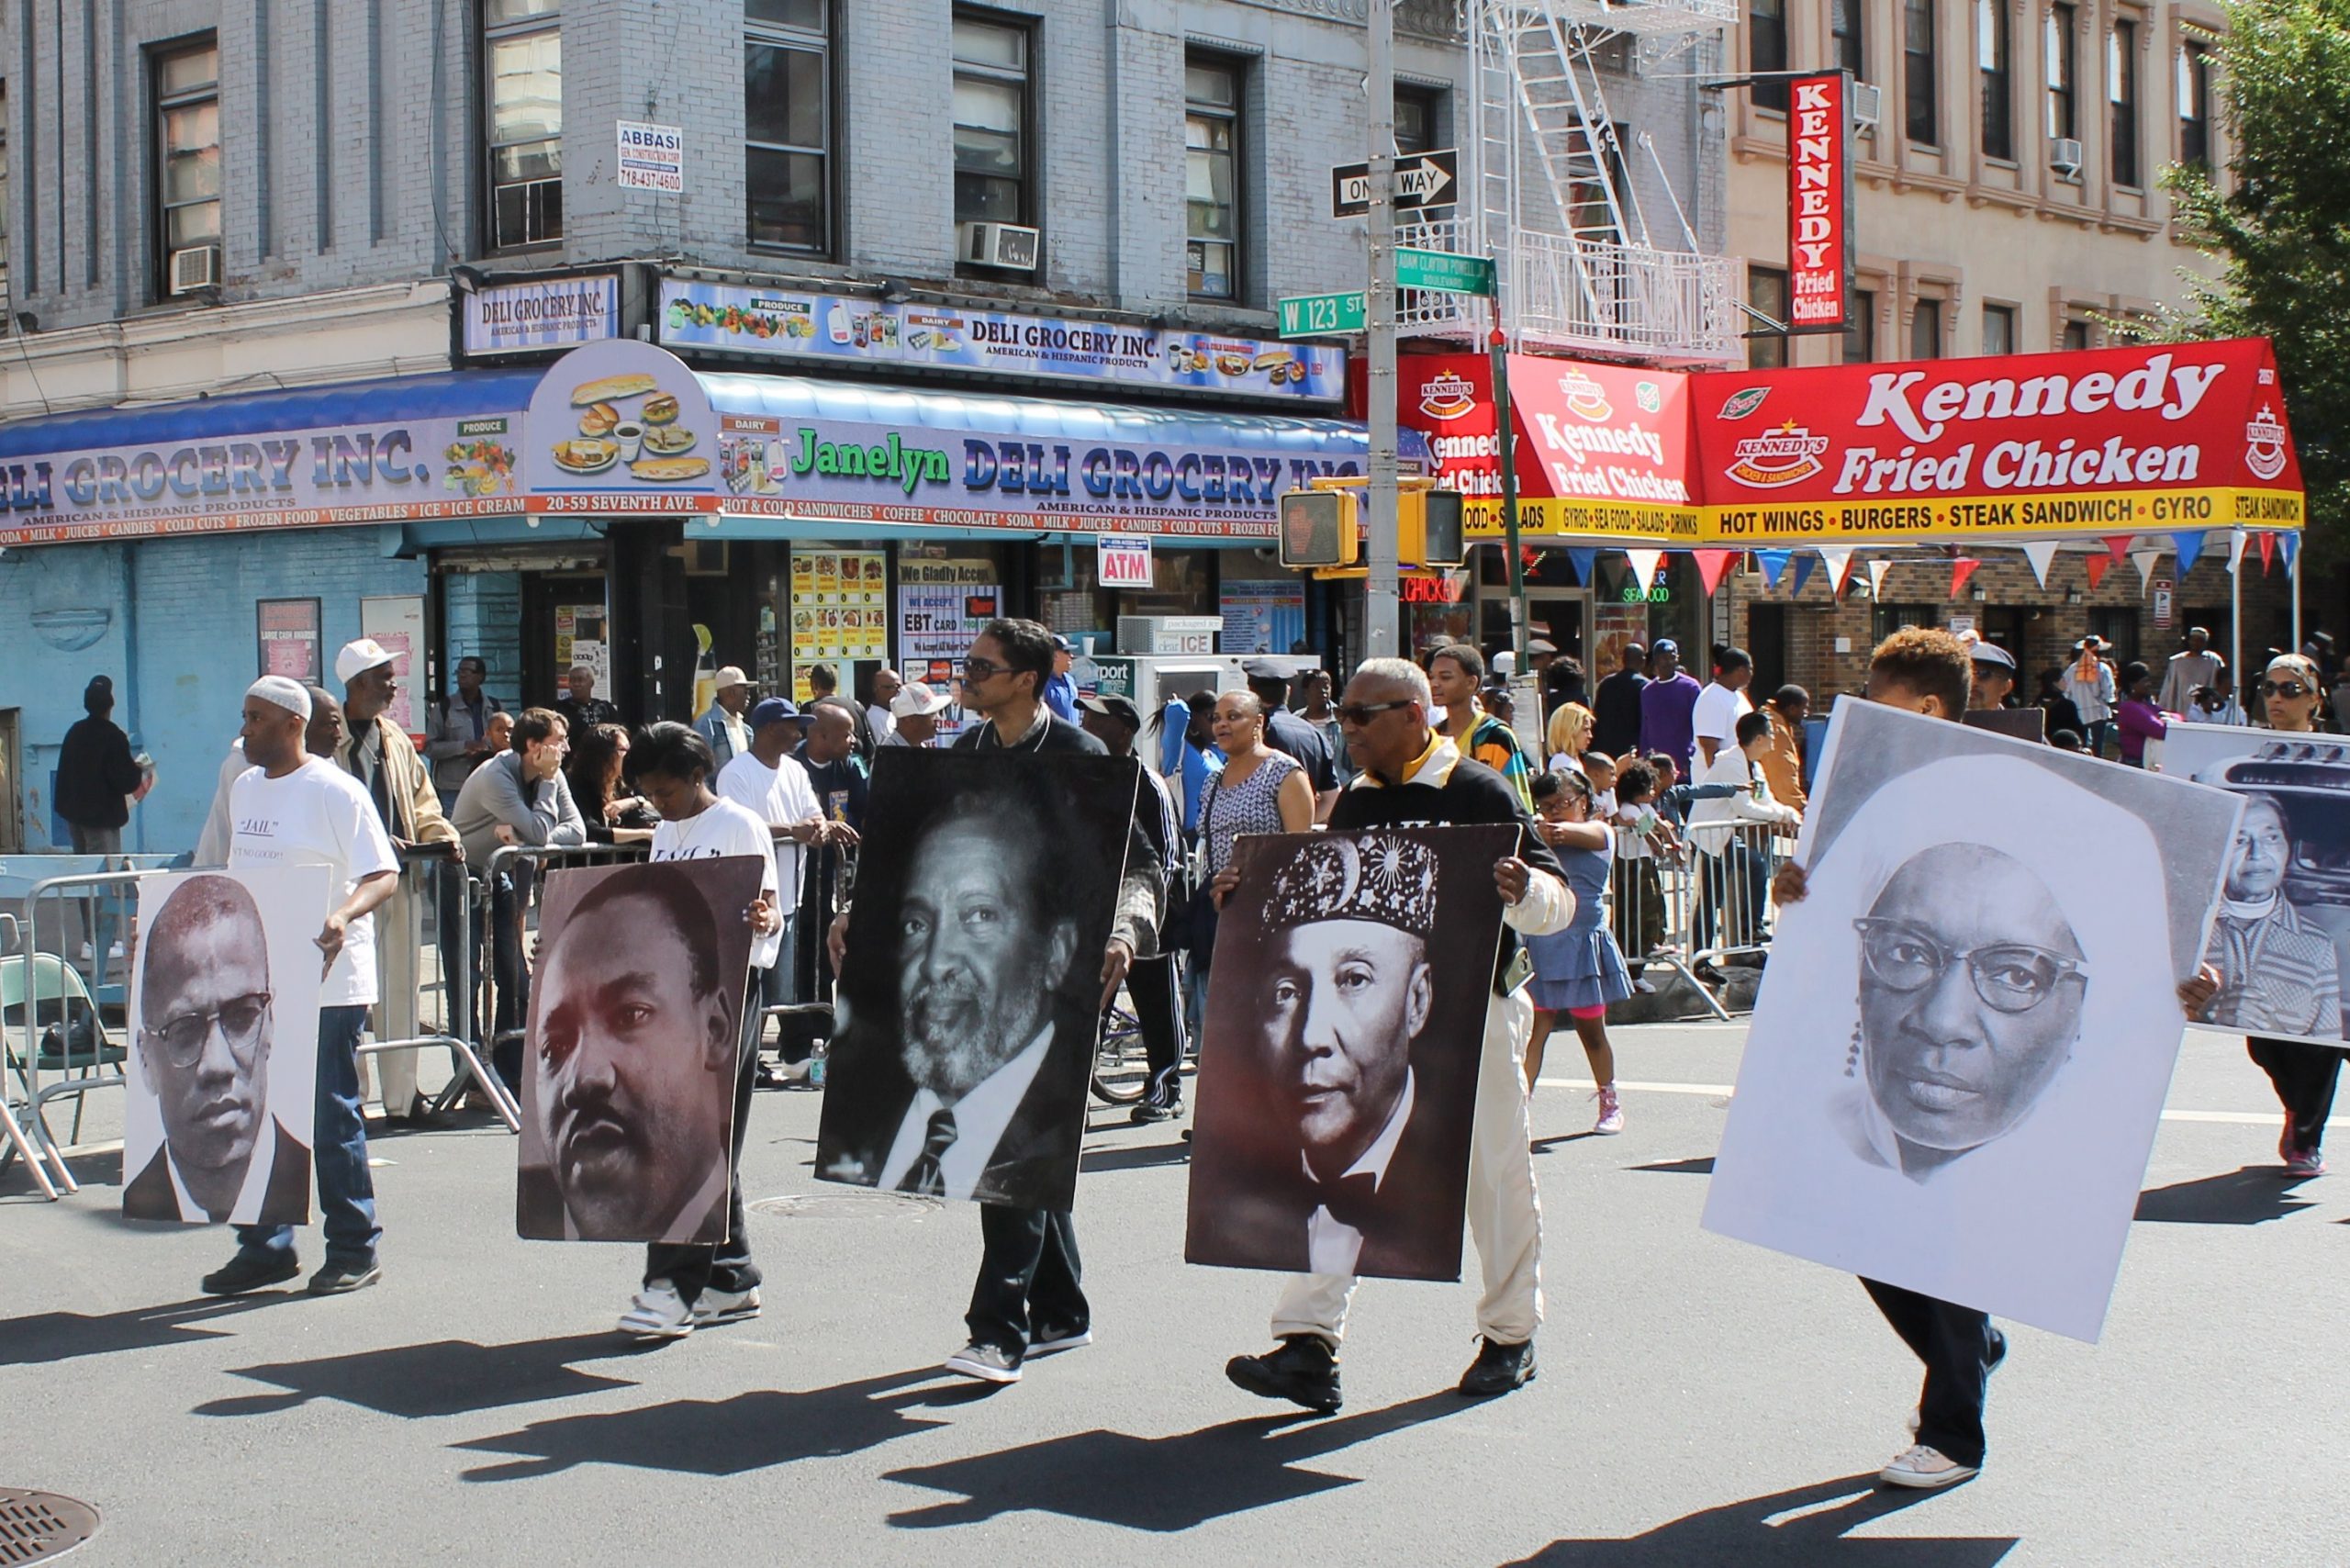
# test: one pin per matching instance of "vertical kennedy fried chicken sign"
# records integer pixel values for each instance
(1819, 252)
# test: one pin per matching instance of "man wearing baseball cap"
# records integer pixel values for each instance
(915, 711)
(722, 725)
(769, 783)
(1995, 675)
(380, 755)
(1060, 691)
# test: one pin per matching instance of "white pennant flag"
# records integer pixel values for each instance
(2236, 537)
(1876, 577)
(2144, 561)
(2041, 553)
(1839, 560)
(1644, 566)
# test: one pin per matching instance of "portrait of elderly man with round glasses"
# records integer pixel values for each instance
(203, 1023)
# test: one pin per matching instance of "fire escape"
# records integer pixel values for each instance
(1550, 193)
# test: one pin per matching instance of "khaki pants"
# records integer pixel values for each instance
(1505, 1213)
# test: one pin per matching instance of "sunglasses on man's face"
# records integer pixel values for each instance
(1362, 713)
(2285, 689)
(977, 668)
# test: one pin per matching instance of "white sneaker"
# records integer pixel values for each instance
(715, 1306)
(658, 1313)
(1611, 1112)
(1923, 1468)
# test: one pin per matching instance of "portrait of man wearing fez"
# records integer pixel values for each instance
(1334, 1139)
(628, 1078)
(204, 1030)
(962, 1071)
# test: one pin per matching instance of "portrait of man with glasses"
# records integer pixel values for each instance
(204, 1017)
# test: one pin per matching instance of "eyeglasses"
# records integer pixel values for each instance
(2012, 977)
(2287, 689)
(1362, 713)
(977, 668)
(185, 1034)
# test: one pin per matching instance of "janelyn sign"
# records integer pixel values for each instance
(1819, 265)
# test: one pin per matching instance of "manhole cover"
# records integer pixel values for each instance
(844, 1206)
(38, 1526)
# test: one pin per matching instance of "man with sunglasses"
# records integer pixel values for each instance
(293, 809)
(203, 1052)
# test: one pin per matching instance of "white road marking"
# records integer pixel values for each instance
(1723, 1092)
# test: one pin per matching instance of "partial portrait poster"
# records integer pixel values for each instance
(224, 1047)
(1962, 1045)
(628, 1062)
(2282, 939)
(971, 995)
(1338, 1059)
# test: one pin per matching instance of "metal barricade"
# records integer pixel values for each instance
(426, 872)
(1727, 896)
(1649, 894)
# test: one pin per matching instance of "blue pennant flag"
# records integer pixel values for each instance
(2189, 545)
(1586, 562)
(1806, 564)
(1773, 562)
(2288, 545)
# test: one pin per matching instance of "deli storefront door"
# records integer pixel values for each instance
(564, 622)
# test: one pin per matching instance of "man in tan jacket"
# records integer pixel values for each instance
(384, 761)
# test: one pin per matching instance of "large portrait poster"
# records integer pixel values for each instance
(1964, 1039)
(224, 1047)
(1338, 1059)
(970, 995)
(2282, 939)
(629, 1060)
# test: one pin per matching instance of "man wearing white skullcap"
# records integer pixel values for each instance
(292, 809)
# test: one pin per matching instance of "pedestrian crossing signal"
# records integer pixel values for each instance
(1433, 532)
(1319, 529)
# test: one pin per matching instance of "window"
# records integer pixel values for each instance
(1212, 214)
(1995, 59)
(7, 318)
(1888, 619)
(1998, 329)
(2064, 120)
(522, 43)
(1926, 329)
(2121, 98)
(1416, 118)
(1766, 50)
(2195, 104)
(787, 122)
(1844, 27)
(1860, 327)
(1766, 292)
(187, 152)
(991, 161)
(2077, 335)
(1918, 69)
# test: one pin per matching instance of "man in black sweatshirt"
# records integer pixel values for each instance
(95, 773)
(1413, 775)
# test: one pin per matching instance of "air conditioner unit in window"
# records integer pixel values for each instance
(1868, 106)
(2065, 157)
(197, 266)
(1006, 245)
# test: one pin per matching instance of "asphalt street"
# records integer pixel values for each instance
(1700, 1401)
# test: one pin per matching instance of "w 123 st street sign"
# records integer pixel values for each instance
(1422, 179)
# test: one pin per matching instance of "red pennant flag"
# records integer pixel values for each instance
(2267, 549)
(1711, 565)
(2117, 546)
(2098, 566)
(1960, 571)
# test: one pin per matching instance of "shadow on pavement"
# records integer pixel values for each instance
(1159, 1483)
(448, 1377)
(1699, 1167)
(89, 1169)
(61, 1336)
(1135, 1157)
(1758, 1533)
(726, 1437)
(2253, 1195)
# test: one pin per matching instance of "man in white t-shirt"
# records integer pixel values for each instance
(881, 712)
(1721, 705)
(769, 782)
(293, 809)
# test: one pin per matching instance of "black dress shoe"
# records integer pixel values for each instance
(1498, 1368)
(1303, 1368)
(244, 1272)
(341, 1277)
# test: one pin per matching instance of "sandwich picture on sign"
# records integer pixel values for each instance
(623, 412)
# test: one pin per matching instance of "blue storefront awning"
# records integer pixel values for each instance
(400, 399)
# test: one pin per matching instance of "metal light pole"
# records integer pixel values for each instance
(1382, 590)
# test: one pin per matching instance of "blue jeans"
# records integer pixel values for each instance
(339, 1149)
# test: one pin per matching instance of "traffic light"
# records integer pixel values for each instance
(1430, 531)
(1319, 529)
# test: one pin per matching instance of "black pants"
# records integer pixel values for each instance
(1160, 1014)
(2304, 1077)
(1028, 1278)
(694, 1268)
(1958, 1346)
(509, 902)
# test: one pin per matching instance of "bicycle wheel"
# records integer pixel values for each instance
(1121, 1071)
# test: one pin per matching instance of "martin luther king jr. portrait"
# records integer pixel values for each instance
(967, 1035)
(203, 1038)
(1342, 1060)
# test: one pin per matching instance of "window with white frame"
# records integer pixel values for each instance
(993, 165)
(787, 124)
(522, 121)
(1215, 216)
(187, 152)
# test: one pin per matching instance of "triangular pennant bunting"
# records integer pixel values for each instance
(1774, 562)
(2189, 546)
(2292, 544)
(1644, 564)
(1805, 565)
(2236, 537)
(2267, 551)
(1711, 565)
(1839, 560)
(2118, 545)
(1585, 562)
(2144, 561)
(1960, 571)
(2098, 566)
(1876, 577)
(2041, 554)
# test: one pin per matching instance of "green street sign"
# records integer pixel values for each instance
(1443, 272)
(1323, 315)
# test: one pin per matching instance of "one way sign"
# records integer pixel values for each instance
(1422, 179)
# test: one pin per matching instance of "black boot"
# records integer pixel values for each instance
(1304, 1369)
(1498, 1368)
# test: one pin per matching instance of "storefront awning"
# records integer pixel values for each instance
(407, 448)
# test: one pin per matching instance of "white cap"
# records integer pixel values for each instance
(359, 657)
(732, 676)
(290, 694)
(915, 701)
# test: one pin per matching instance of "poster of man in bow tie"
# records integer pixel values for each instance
(1340, 1055)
